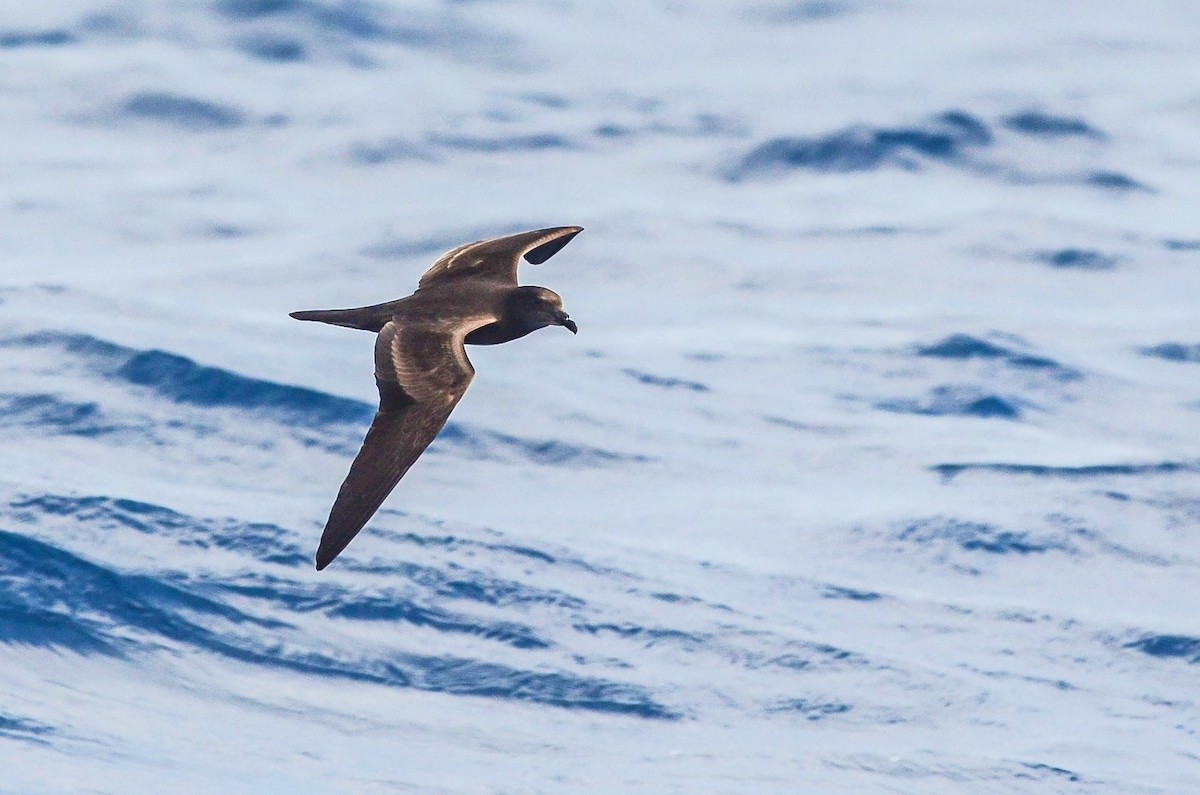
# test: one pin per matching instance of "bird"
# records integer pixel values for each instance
(469, 296)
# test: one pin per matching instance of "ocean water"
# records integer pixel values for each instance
(873, 467)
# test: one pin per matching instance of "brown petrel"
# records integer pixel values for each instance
(470, 295)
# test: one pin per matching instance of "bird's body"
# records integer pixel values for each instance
(469, 296)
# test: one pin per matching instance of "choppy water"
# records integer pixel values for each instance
(873, 467)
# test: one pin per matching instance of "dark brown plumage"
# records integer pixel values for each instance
(469, 296)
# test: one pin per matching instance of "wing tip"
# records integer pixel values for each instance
(562, 235)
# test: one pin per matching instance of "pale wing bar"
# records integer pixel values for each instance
(499, 256)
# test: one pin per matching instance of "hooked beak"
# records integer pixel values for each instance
(566, 322)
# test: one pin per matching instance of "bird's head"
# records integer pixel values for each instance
(540, 307)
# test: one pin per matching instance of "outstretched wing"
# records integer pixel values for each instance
(499, 256)
(422, 371)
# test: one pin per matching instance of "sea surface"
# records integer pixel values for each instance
(874, 466)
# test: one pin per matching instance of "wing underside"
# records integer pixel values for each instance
(421, 373)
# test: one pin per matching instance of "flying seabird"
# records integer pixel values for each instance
(470, 295)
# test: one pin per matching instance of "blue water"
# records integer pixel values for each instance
(871, 469)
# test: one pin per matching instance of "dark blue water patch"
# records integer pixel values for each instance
(475, 678)
(676, 599)
(454, 581)
(265, 542)
(388, 150)
(1030, 362)
(646, 637)
(535, 142)
(386, 605)
(458, 676)
(951, 471)
(1180, 647)
(807, 656)
(525, 552)
(1042, 770)
(811, 709)
(947, 137)
(41, 627)
(980, 537)
(1174, 352)
(965, 346)
(1046, 125)
(182, 380)
(11, 39)
(15, 728)
(854, 594)
(956, 401)
(1114, 181)
(188, 113)
(103, 511)
(277, 49)
(83, 345)
(966, 128)
(665, 382)
(1181, 245)
(1078, 259)
(356, 19)
(52, 414)
(451, 582)
(51, 597)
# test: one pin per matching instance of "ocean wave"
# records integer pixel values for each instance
(967, 347)
(948, 136)
(50, 597)
(950, 471)
(184, 112)
(55, 37)
(311, 416)
(1182, 647)
(1047, 125)
(956, 401)
(982, 537)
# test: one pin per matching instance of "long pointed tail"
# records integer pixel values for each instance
(367, 318)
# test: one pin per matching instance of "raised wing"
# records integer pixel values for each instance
(422, 371)
(499, 257)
